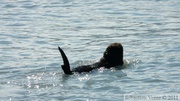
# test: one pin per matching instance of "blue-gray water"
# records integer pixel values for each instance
(31, 30)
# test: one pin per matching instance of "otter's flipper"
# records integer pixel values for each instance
(66, 66)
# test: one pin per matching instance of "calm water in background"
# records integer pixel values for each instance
(31, 30)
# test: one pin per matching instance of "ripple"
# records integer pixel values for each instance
(30, 32)
(5, 42)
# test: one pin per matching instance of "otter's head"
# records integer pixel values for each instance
(113, 54)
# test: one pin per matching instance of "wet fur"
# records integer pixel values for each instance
(113, 56)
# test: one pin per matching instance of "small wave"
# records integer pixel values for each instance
(131, 63)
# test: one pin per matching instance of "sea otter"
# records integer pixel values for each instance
(113, 56)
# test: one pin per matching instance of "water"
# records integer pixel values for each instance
(31, 30)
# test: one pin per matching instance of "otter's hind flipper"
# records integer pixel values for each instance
(66, 66)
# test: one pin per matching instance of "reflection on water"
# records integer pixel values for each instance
(31, 31)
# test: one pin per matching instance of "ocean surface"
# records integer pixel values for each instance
(31, 31)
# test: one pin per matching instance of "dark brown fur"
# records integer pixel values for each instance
(113, 56)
